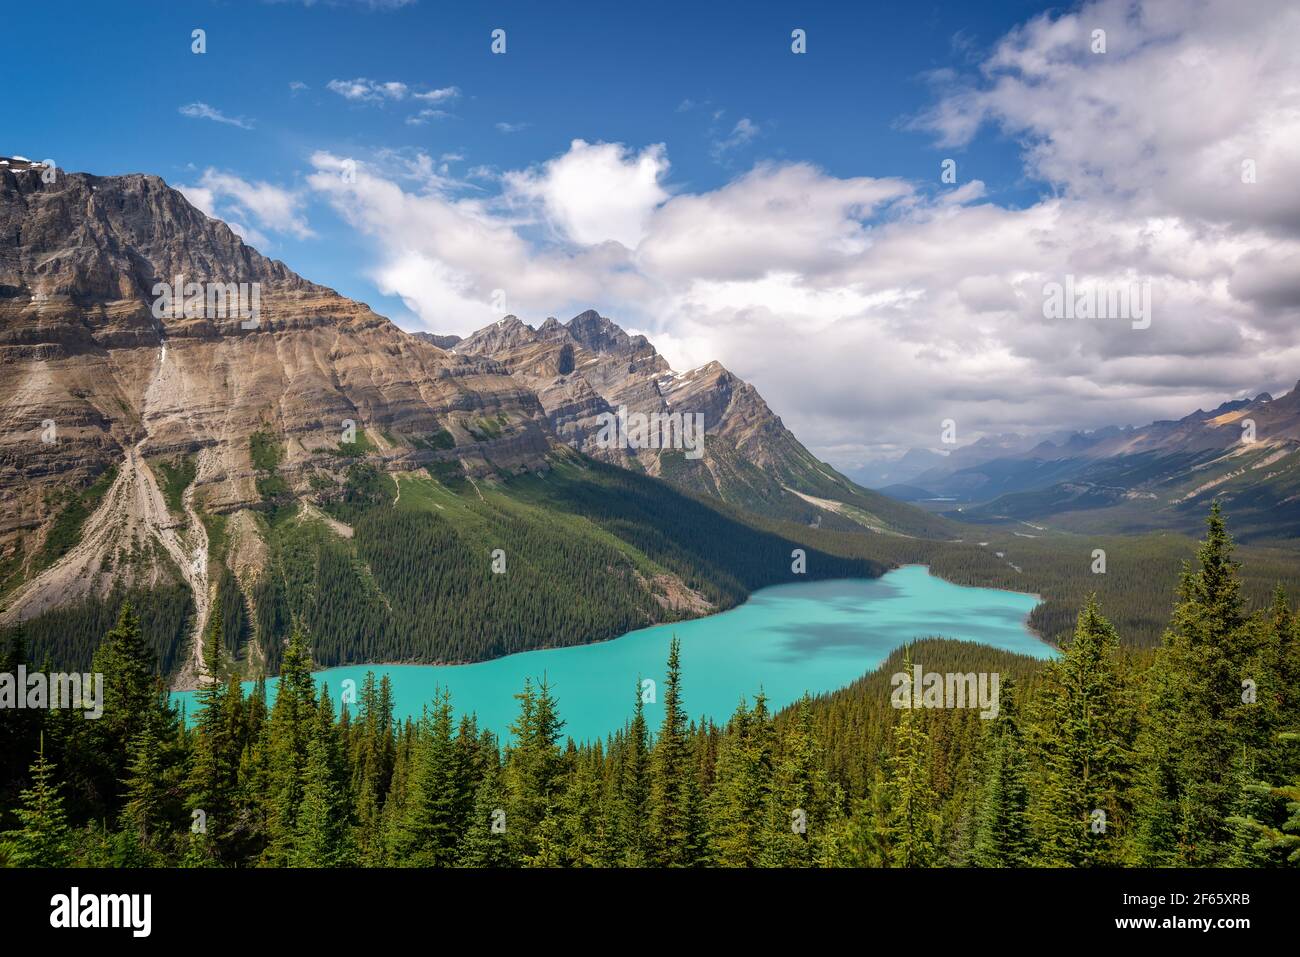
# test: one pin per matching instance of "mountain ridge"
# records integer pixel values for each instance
(586, 370)
(1243, 452)
(205, 447)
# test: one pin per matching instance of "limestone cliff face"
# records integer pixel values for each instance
(92, 378)
(589, 367)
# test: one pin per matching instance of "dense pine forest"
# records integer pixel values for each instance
(1109, 755)
(588, 549)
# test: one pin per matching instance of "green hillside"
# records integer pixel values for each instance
(589, 551)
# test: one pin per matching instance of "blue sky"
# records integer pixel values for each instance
(675, 166)
(610, 72)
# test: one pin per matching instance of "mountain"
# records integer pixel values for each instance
(254, 442)
(107, 383)
(1161, 475)
(589, 371)
(917, 466)
(896, 470)
(442, 342)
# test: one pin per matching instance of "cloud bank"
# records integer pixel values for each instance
(868, 309)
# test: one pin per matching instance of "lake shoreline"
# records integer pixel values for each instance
(461, 664)
(785, 640)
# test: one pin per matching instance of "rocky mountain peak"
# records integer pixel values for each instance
(446, 343)
(91, 238)
(19, 163)
(593, 331)
(508, 332)
(92, 364)
(552, 329)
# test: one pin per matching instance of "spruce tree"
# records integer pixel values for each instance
(485, 843)
(143, 813)
(131, 684)
(802, 814)
(1259, 842)
(100, 750)
(1196, 721)
(323, 836)
(214, 771)
(582, 834)
(286, 738)
(738, 806)
(1001, 827)
(912, 822)
(1076, 812)
(533, 768)
(675, 825)
(863, 840)
(43, 838)
(393, 818)
(433, 826)
(372, 754)
(634, 786)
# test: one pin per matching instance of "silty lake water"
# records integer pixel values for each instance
(786, 640)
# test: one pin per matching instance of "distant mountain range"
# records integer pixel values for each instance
(1160, 475)
(917, 461)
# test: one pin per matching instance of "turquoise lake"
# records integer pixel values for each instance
(786, 640)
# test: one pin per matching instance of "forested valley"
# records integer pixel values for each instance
(1184, 754)
(590, 551)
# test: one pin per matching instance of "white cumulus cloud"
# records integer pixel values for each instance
(596, 192)
(271, 207)
(869, 308)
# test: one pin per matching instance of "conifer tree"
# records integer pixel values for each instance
(323, 836)
(485, 843)
(1258, 842)
(372, 754)
(738, 806)
(286, 737)
(533, 768)
(1076, 810)
(133, 695)
(20, 729)
(1193, 735)
(433, 826)
(214, 771)
(912, 822)
(675, 825)
(1001, 827)
(634, 786)
(469, 760)
(142, 814)
(802, 810)
(860, 838)
(1253, 813)
(393, 816)
(582, 830)
(131, 684)
(1272, 678)
(43, 838)
(253, 775)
